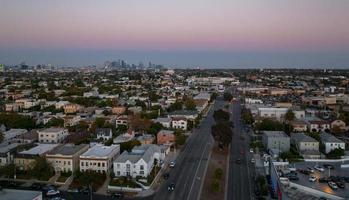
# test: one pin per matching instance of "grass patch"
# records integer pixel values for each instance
(123, 182)
(83, 179)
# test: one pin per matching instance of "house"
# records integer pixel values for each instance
(52, 135)
(13, 135)
(179, 123)
(339, 124)
(10, 194)
(118, 110)
(187, 114)
(7, 152)
(104, 133)
(200, 104)
(121, 120)
(65, 158)
(272, 112)
(331, 142)
(315, 124)
(146, 139)
(99, 158)
(164, 121)
(71, 108)
(25, 160)
(71, 120)
(124, 137)
(299, 125)
(276, 140)
(139, 162)
(307, 146)
(166, 137)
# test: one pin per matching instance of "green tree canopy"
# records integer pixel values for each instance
(190, 104)
(221, 115)
(289, 116)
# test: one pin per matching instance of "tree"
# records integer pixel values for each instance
(227, 96)
(190, 104)
(42, 170)
(289, 116)
(221, 115)
(128, 146)
(154, 128)
(175, 106)
(222, 133)
(180, 139)
(218, 173)
(213, 96)
(14, 120)
(8, 170)
(336, 130)
(121, 128)
(269, 125)
(58, 122)
(336, 153)
(247, 116)
(139, 124)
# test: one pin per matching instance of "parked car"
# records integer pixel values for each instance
(172, 164)
(302, 171)
(312, 178)
(171, 187)
(328, 166)
(310, 169)
(252, 160)
(319, 168)
(238, 161)
(324, 180)
(333, 185)
(52, 192)
(340, 184)
(251, 150)
(74, 190)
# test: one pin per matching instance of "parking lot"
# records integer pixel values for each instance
(337, 171)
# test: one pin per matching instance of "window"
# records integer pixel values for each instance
(99, 164)
(103, 164)
(142, 167)
(68, 162)
(141, 172)
(82, 163)
(117, 165)
(86, 164)
(118, 173)
(128, 166)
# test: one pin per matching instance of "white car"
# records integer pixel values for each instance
(251, 150)
(252, 160)
(172, 164)
(52, 192)
(311, 170)
(333, 185)
(319, 168)
(312, 178)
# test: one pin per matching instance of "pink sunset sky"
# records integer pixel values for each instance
(173, 25)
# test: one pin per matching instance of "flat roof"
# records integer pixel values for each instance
(67, 149)
(40, 149)
(12, 194)
(100, 150)
(275, 134)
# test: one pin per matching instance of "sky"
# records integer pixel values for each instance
(187, 33)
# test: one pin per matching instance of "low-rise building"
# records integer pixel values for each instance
(166, 137)
(139, 162)
(276, 140)
(179, 123)
(52, 135)
(99, 158)
(13, 135)
(104, 133)
(66, 157)
(7, 153)
(299, 125)
(164, 121)
(331, 142)
(307, 146)
(71, 108)
(24, 160)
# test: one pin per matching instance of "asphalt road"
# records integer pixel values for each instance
(240, 182)
(189, 172)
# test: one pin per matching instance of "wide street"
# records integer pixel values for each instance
(191, 164)
(240, 178)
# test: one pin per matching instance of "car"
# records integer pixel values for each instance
(328, 166)
(312, 178)
(171, 187)
(319, 168)
(238, 161)
(332, 185)
(52, 192)
(311, 170)
(324, 180)
(166, 175)
(302, 171)
(57, 198)
(252, 160)
(117, 195)
(73, 190)
(251, 150)
(172, 164)
(340, 184)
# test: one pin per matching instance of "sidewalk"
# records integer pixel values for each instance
(103, 190)
(65, 186)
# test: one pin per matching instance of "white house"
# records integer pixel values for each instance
(99, 158)
(331, 142)
(12, 135)
(138, 162)
(272, 112)
(121, 120)
(52, 135)
(164, 121)
(179, 123)
(104, 133)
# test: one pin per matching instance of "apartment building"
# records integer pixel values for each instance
(52, 135)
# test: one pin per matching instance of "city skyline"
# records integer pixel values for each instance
(179, 34)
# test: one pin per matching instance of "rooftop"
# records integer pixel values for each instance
(67, 149)
(12, 194)
(52, 129)
(325, 137)
(275, 133)
(301, 137)
(100, 150)
(40, 149)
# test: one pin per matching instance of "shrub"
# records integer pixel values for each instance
(218, 173)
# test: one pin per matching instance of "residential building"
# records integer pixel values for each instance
(307, 146)
(276, 140)
(13, 135)
(24, 160)
(104, 133)
(14, 194)
(139, 162)
(166, 137)
(99, 158)
(315, 124)
(146, 139)
(299, 125)
(331, 142)
(52, 135)
(7, 153)
(121, 120)
(119, 110)
(66, 157)
(71, 108)
(164, 121)
(179, 123)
